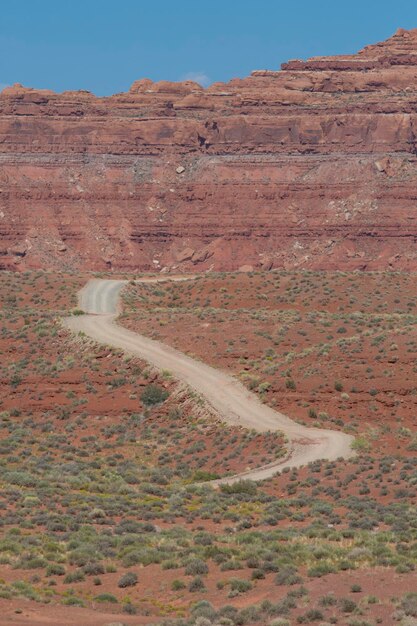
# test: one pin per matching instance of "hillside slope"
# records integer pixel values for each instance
(313, 166)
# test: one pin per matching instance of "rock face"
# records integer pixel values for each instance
(313, 166)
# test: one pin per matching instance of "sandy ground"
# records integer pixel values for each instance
(23, 613)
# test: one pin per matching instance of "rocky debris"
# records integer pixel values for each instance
(277, 165)
(246, 268)
(185, 255)
(19, 249)
(201, 255)
(267, 264)
(382, 164)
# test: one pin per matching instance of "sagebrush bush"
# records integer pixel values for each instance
(129, 579)
(153, 394)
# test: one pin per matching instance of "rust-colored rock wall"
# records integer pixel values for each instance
(313, 166)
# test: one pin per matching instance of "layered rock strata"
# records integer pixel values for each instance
(312, 166)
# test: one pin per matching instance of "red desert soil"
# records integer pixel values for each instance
(330, 349)
(378, 581)
(312, 166)
(94, 484)
(235, 405)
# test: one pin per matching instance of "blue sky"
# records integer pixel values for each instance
(104, 45)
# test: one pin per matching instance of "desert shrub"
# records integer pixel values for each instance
(144, 557)
(228, 612)
(22, 479)
(203, 476)
(55, 570)
(74, 577)
(242, 486)
(129, 579)
(313, 615)
(249, 615)
(361, 445)
(196, 567)
(81, 557)
(153, 394)
(347, 605)
(73, 601)
(409, 604)
(106, 597)
(33, 562)
(239, 585)
(204, 609)
(328, 600)
(177, 585)
(288, 576)
(321, 569)
(129, 609)
(93, 569)
(197, 584)
(231, 564)
(203, 539)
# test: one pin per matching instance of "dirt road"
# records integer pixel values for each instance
(232, 401)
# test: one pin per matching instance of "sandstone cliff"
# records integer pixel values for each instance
(312, 166)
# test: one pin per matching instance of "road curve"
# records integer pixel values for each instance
(232, 401)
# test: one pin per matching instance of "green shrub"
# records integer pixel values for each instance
(242, 486)
(288, 576)
(204, 609)
(328, 600)
(409, 604)
(321, 569)
(196, 567)
(197, 584)
(74, 577)
(313, 615)
(202, 476)
(129, 579)
(72, 601)
(153, 394)
(55, 570)
(129, 609)
(347, 605)
(106, 597)
(177, 585)
(93, 569)
(361, 444)
(239, 585)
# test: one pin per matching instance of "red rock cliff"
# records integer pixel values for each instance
(312, 166)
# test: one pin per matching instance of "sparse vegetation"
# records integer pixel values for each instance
(105, 497)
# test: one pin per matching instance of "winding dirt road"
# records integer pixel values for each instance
(232, 401)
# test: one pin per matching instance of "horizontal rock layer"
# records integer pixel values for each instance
(312, 166)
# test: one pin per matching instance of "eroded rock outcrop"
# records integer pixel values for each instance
(312, 166)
